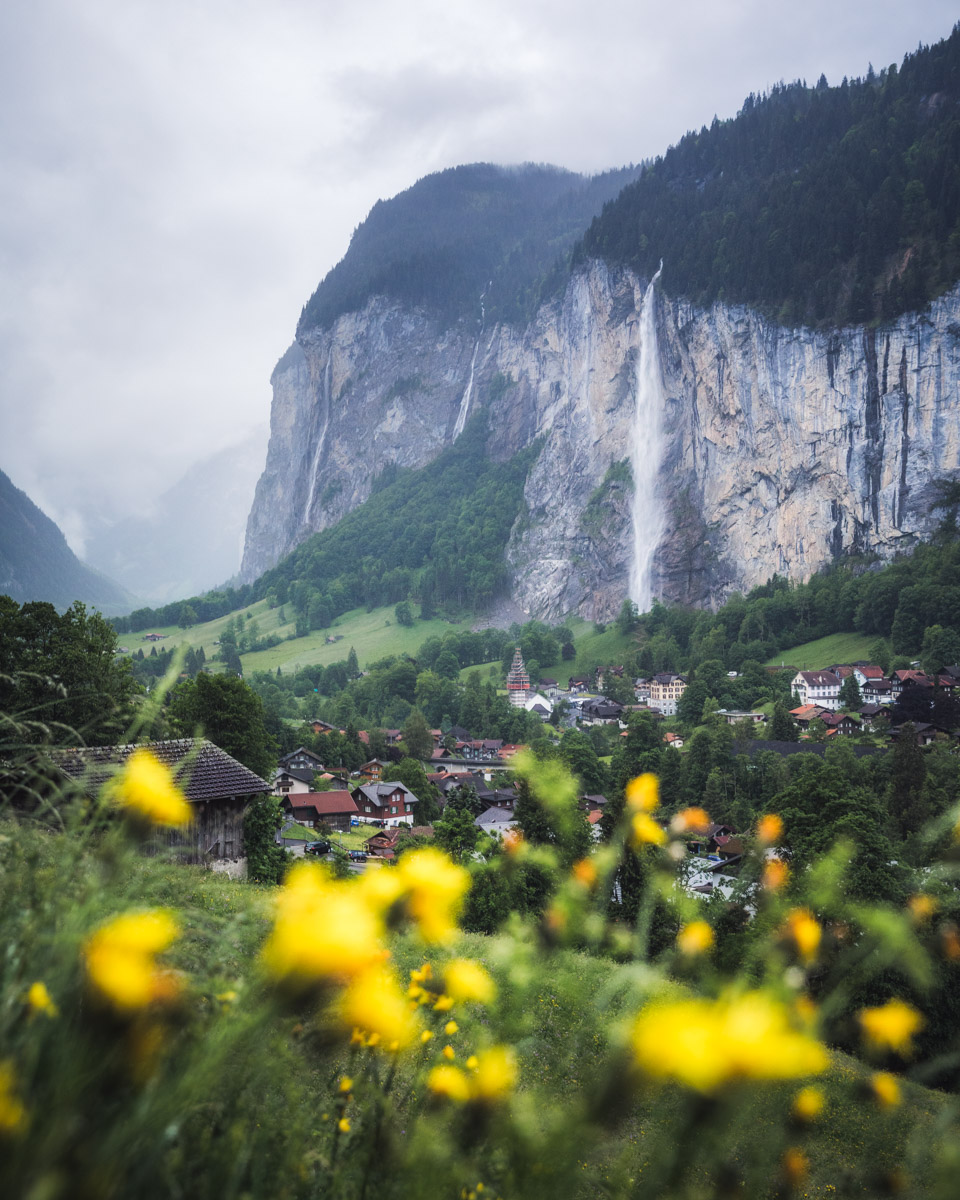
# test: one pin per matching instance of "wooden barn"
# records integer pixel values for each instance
(216, 785)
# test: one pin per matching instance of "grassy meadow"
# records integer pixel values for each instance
(825, 652)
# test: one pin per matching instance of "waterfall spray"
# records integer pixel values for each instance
(468, 390)
(321, 441)
(646, 452)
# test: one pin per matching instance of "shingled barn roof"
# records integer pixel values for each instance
(203, 770)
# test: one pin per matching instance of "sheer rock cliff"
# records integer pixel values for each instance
(783, 448)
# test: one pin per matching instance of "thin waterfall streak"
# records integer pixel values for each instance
(646, 454)
(321, 442)
(468, 390)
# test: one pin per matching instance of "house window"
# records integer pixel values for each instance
(394, 809)
(367, 808)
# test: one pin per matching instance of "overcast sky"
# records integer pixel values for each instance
(176, 178)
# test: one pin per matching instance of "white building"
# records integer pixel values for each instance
(817, 687)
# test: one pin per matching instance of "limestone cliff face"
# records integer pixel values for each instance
(781, 448)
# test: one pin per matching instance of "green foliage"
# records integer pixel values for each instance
(62, 669)
(266, 861)
(456, 833)
(230, 715)
(818, 204)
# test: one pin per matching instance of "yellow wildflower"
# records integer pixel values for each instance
(645, 831)
(796, 1166)
(891, 1026)
(495, 1075)
(323, 930)
(434, 888)
(695, 938)
(775, 874)
(40, 1001)
(886, 1089)
(643, 794)
(808, 1104)
(922, 907)
(346, 1083)
(343, 1125)
(585, 873)
(691, 820)
(120, 960)
(803, 929)
(381, 890)
(147, 790)
(374, 1003)
(465, 980)
(449, 1052)
(449, 1082)
(451, 1028)
(769, 829)
(426, 1036)
(444, 1004)
(706, 1043)
(13, 1115)
(472, 1063)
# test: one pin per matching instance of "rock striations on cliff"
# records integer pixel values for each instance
(781, 448)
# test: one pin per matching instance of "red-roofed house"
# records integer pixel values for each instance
(334, 809)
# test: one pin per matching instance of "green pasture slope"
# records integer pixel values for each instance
(835, 649)
(373, 635)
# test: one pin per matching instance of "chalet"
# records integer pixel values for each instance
(218, 788)
(924, 732)
(817, 687)
(600, 712)
(322, 727)
(373, 770)
(674, 740)
(291, 781)
(901, 680)
(509, 750)
(864, 673)
(841, 723)
(389, 802)
(806, 713)
(384, 843)
(301, 759)
(333, 809)
(665, 690)
(550, 687)
(871, 715)
(877, 691)
(498, 797)
(496, 821)
(579, 683)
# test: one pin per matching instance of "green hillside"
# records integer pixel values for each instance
(825, 652)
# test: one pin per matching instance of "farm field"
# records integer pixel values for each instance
(824, 652)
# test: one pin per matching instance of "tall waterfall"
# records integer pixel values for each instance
(646, 452)
(321, 442)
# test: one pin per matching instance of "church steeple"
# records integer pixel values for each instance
(518, 681)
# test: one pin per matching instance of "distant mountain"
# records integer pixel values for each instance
(193, 538)
(37, 564)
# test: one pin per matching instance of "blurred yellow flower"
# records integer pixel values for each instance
(886, 1089)
(380, 890)
(769, 829)
(40, 1001)
(922, 907)
(146, 789)
(645, 831)
(472, 1063)
(13, 1115)
(775, 874)
(643, 794)
(449, 1082)
(695, 938)
(434, 888)
(426, 1036)
(374, 1003)
(691, 820)
(585, 873)
(495, 1075)
(343, 1125)
(513, 841)
(465, 980)
(449, 1052)
(346, 1083)
(808, 1104)
(706, 1043)
(323, 930)
(891, 1026)
(451, 1028)
(796, 1166)
(803, 929)
(444, 1004)
(120, 959)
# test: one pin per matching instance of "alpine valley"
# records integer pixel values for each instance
(784, 393)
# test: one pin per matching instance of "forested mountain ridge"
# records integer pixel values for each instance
(503, 232)
(819, 205)
(37, 564)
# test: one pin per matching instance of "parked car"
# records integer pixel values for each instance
(357, 856)
(317, 848)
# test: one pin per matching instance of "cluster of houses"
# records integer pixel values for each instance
(818, 693)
